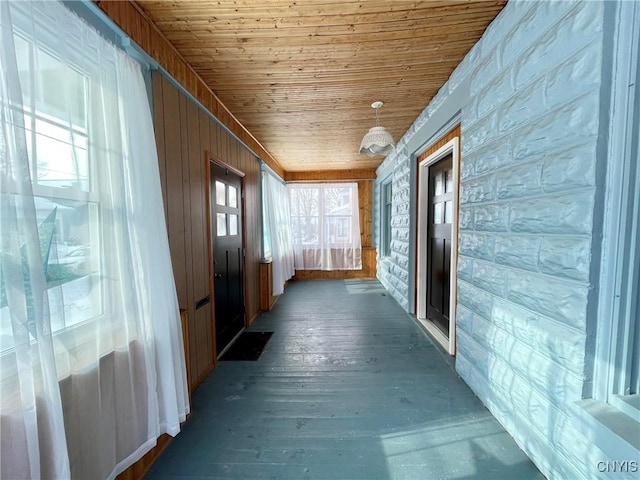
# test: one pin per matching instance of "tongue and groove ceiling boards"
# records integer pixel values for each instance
(301, 75)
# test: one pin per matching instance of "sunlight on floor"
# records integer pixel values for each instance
(358, 287)
(453, 448)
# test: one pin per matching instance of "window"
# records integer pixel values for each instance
(618, 351)
(325, 222)
(385, 227)
(276, 228)
(266, 230)
(90, 332)
(610, 415)
(66, 203)
(322, 213)
(305, 214)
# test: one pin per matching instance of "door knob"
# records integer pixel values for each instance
(217, 275)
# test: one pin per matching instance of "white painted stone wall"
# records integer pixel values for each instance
(530, 94)
(394, 271)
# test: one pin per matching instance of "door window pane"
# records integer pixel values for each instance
(448, 181)
(233, 197)
(448, 212)
(233, 224)
(439, 184)
(221, 194)
(437, 213)
(221, 229)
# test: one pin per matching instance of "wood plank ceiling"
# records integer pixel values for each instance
(301, 75)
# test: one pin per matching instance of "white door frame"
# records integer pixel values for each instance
(451, 147)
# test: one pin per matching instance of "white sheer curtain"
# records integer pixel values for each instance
(277, 229)
(91, 360)
(325, 220)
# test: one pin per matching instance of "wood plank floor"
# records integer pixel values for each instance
(348, 387)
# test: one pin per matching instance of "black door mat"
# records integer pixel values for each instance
(248, 346)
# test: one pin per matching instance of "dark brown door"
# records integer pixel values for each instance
(228, 254)
(440, 219)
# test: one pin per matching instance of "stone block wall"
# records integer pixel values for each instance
(393, 271)
(531, 133)
(528, 183)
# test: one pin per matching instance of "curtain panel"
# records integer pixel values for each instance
(92, 364)
(278, 245)
(325, 221)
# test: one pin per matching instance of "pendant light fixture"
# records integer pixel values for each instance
(377, 141)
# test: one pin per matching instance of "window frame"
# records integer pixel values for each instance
(620, 228)
(296, 219)
(386, 202)
(81, 331)
(323, 218)
(607, 414)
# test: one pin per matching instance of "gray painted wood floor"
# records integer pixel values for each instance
(348, 387)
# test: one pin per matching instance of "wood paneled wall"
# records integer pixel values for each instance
(331, 175)
(364, 178)
(184, 133)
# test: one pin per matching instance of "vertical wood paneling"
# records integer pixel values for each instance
(365, 203)
(254, 235)
(213, 139)
(186, 201)
(204, 354)
(209, 198)
(196, 192)
(208, 323)
(198, 242)
(183, 134)
(216, 141)
(224, 148)
(209, 317)
(219, 142)
(174, 192)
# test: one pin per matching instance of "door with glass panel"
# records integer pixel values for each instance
(228, 256)
(440, 219)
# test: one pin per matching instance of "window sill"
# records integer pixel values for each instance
(613, 427)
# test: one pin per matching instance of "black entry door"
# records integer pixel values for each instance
(440, 219)
(228, 258)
